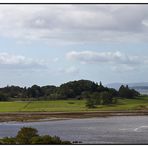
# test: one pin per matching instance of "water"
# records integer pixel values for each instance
(110, 130)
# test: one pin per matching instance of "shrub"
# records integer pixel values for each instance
(46, 139)
(106, 98)
(7, 140)
(90, 103)
(25, 134)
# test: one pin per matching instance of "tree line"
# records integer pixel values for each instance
(81, 89)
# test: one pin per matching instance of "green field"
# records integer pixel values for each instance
(140, 103)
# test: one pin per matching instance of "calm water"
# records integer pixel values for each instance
(110, 130)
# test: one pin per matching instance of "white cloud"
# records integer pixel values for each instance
(116, 61)
(12, 61)
(102, 57)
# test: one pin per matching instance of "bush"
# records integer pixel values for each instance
(90, 103)
(25, 134)
(106, 98)
(8, 140)
(96, 97)
(102, 98)
(3, 97)
(46, 139)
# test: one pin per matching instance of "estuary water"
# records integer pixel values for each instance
(109, 130)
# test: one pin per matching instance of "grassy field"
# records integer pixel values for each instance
(72, 106)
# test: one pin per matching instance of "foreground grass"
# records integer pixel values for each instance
(140, 103)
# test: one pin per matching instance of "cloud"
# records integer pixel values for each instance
(74, 23)
(70, 70)
(102, 57)
(19, 62)
(116, 61)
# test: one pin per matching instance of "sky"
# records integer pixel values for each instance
(54, 44)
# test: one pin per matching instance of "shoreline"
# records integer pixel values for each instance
(54, 116)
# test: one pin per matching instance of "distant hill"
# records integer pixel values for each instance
(141, 87)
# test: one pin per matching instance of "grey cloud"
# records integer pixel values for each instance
(75, 23)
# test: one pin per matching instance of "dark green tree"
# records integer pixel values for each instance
(126, 92)
(3, 97)
(35, 91)
(96, 98)
(25, 134)
(106, 98)
(90, 103)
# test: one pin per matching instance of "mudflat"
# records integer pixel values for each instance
(42, 116)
